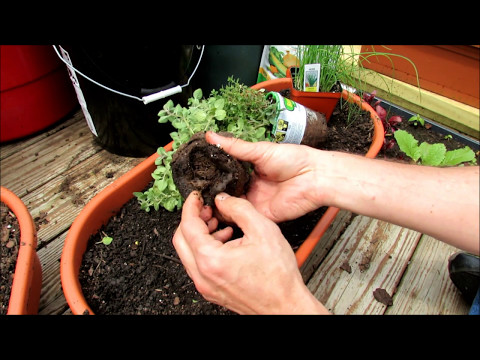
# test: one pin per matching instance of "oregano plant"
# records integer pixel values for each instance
(236, 108)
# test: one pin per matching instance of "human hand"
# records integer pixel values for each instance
(254, 274)
(284, 184)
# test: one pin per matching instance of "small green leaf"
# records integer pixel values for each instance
(417, 118)
(161, 184)
(168, 105)
(219, 103)
(432, 154)
(458, 156)
(164, 119)
(199, 115)
(198, 94)
(407, 143)
(107, 240)
(259, 133)
(220, 114)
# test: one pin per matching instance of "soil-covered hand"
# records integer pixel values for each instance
(284, 185)
(254, 274)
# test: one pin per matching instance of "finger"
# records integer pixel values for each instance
(238, 148)
(223, 235)
(194, 216)
(212, 224)
(244, 215)
(206, 213)
(185, 253)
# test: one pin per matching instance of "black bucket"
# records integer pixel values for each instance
(113, 83)
(221, 61)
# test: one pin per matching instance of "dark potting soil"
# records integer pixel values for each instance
(9, 245)
(139, 272)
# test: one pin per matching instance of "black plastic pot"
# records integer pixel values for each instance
(125, 125)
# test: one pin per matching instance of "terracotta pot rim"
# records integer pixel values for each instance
(25, 293)
(68, 264)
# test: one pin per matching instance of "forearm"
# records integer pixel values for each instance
(441, 202)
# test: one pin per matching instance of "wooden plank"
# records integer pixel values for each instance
(426, 287)
(370, 254)
(52, 300)
(60, 200)
(17, 145)
(325, 244)
(30, 168)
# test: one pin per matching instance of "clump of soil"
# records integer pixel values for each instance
(198, 165)
(9, 246)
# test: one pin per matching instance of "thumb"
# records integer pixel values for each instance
(242, 213)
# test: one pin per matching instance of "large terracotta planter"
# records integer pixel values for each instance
(108, 202)
(27, 282)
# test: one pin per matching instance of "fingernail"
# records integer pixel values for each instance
(222, 196)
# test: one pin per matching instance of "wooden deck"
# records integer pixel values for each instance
(356, 256)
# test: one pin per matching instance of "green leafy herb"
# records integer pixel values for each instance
(235, 108)
(432, 154)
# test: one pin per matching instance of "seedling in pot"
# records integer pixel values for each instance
(106, 240)
(417, 119)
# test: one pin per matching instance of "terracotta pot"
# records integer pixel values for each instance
(27, 282)
(108, 202)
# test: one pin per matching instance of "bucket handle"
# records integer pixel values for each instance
(145, 99)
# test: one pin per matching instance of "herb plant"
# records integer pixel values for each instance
(235, 108)
(432, 154)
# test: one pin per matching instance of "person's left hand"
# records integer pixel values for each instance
(254, 274)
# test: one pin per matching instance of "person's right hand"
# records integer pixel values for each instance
(284, 184)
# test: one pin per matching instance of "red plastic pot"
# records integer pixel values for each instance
(109, 201)
(27, 282)
(35, 90)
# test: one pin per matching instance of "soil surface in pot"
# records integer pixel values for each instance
(140, 273)
(9, 245)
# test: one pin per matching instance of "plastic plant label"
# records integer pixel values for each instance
(78, 90)
(290, 120)
(311, 77)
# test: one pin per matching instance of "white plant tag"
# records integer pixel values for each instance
(311, 77)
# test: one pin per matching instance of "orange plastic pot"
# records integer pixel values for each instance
(109, 201)
(27, 282)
